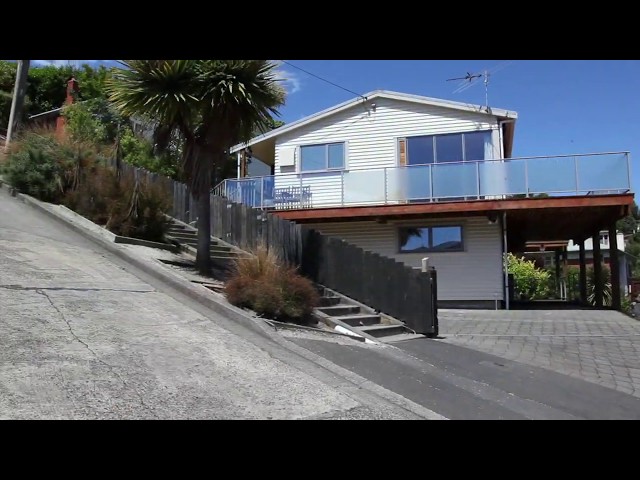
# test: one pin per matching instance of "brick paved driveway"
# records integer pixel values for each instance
(598, 346)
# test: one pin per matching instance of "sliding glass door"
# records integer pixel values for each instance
(454, 174)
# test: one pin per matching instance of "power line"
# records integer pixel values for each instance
(324, 80)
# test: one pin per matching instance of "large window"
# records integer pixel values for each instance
(452, 147)
(321, 157)
(445, 238)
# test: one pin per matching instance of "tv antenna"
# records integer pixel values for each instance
(470, 79)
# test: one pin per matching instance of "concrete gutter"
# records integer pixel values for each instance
(218, 304)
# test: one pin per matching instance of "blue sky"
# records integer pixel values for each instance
(564, 106)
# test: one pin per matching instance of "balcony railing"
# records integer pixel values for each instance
(564, 175)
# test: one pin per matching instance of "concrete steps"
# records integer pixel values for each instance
(222, 256)
(329, 301)
(359, 320)
(380, 330)
(337, 310)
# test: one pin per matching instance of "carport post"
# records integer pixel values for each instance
(614, 266)
(558, 288)
(597, 269)
(565, 290)
(583, 275)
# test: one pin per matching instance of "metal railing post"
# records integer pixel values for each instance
(385, 186)
(628, 155)
(526, 177)
(478, 178)
(431, 183)
(300, 194)
(262, 192)
(575, 163)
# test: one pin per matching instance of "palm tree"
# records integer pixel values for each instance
(210, 105)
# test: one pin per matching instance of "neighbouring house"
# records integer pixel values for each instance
(559, 256)
(412, 177)
(625, 260)
(53, 118)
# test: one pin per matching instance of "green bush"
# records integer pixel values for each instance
(627, 305)
(123, 206)
(34, 167)
(606, 286)
(531, 283)
(73, 172)
(139, 211)
(270, 288)
(44, 167)
(138, 152)
(83, 124)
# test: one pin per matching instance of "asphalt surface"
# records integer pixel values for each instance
(83, 335)
(462, 383)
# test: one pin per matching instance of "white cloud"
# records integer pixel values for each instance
(291, 80)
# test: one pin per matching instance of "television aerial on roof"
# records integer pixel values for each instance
(470, 79)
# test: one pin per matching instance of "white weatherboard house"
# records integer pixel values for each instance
(411, 177)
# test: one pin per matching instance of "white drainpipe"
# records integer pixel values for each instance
(504, 260)
(504, 220)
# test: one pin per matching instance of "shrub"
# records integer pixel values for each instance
(123, 206)
(138, 152)
(139, 210)
(93, 120)
(627, 305)
(606, 286)
(270, 288)
(33, 166)
(73, 172)
(531, 283)
(42, 166)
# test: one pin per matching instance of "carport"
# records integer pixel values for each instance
(560, 219)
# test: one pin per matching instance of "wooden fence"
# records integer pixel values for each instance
(379, 282)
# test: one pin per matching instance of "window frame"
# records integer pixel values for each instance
(430, 228)
(435, 146)
(326, 159)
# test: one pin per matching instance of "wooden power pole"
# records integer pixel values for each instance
(19, 91)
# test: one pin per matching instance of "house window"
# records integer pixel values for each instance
(453, 147)
(445, 238)
(604, 239)
(321, 157)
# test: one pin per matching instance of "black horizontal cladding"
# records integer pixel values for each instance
(374, 280)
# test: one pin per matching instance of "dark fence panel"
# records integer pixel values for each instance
(381, 283)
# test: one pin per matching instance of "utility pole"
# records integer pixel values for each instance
(19, 92)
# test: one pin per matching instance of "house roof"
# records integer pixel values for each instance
(467, 107)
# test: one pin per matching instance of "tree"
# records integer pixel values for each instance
(46, 88)
(7, 81)
(629, 224)
(211, 104)
(276, 124)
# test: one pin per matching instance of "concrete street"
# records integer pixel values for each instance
(85, 336)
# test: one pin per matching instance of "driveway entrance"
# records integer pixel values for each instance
(599, 346)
